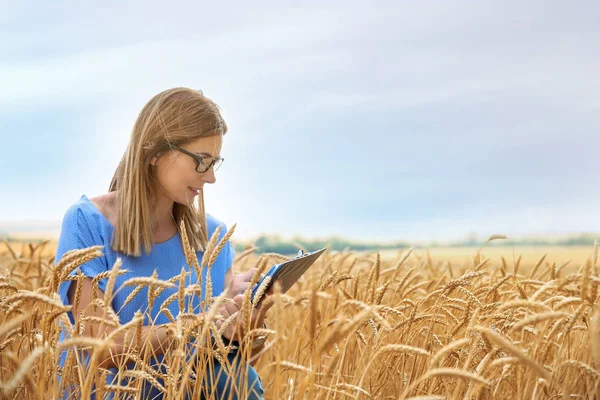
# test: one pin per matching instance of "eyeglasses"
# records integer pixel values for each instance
(203, 163)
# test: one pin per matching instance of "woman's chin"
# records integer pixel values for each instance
(184, 200)
(188, 202)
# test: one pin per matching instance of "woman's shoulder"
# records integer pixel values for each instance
(82, 226)
(212, 223)
(84, 210)
(80, 207)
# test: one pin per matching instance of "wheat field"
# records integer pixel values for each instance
(400, 325)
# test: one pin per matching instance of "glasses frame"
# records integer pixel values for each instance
(200, 160)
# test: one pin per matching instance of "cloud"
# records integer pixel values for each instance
(396, 120)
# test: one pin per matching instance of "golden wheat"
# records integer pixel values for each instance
(356, 325)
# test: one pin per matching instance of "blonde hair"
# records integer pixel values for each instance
(172, 117)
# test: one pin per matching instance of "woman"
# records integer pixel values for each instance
(174, 150)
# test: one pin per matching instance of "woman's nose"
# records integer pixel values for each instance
(209, 176)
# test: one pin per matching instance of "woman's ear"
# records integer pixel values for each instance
(155, 159)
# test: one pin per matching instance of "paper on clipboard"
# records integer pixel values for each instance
(288, 272)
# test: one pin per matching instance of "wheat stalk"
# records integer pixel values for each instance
(502, 342)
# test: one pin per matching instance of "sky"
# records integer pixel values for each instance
(375, 121)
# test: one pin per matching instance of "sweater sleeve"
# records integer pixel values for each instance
(80, 232)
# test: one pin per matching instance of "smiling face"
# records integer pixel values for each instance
(156, 182)
(176, 174)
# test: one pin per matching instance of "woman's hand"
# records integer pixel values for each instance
(235, 329)
(240, 283)
(259, 313)
(226, 310)
(234, 291)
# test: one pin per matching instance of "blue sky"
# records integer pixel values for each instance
(381, 120)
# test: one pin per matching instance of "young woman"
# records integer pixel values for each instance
(174, 150)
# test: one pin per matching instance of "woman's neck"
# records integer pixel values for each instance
(161, 216)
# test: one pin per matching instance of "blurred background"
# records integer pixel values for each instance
(365, 124)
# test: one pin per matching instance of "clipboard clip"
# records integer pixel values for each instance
(301, 253)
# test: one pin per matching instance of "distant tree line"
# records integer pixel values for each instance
(275, 244)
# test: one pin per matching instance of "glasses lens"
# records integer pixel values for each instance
(204, 165)
(218, 163)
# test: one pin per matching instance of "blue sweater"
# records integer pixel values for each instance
(84, 226)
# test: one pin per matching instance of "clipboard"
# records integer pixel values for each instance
(289, 272)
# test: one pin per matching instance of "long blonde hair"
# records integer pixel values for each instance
(172, 117)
